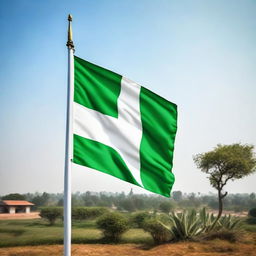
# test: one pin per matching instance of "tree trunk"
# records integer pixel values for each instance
(220, 197)
(220, 204)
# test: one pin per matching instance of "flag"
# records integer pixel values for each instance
(122, 129)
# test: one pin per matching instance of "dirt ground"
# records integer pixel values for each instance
(19, 216)
(213, 248)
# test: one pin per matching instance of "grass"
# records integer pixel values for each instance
(38, 232)
(248, 227)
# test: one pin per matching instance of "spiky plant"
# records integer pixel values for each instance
(190, 224)
(229, 222)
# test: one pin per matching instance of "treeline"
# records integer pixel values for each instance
(133, 202)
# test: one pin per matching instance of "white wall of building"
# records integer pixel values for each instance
(27, 209)
(12, 209)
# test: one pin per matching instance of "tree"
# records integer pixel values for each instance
(224, 163)
(128, 205)
(166, 206)
(41, 199)
(15, 196)
(252, 196)
(252, 212)
(51, 214)
(177, 195)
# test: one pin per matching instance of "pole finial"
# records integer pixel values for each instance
(70, 43)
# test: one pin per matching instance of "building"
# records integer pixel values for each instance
(15, 206)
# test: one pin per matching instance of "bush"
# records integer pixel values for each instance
(139, 218)
(251, 221)
(252, 212)
(113, 226)
(84, 213)
(228, 235)
(158, 232)
(51, 213)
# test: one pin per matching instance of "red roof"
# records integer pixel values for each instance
(16, 202)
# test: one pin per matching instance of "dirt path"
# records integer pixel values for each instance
(216, 248)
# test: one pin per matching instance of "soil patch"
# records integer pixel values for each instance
(213, 248)
(19, 216)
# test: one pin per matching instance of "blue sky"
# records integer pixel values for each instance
(199, 54)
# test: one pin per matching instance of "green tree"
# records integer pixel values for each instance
(15, 196)
(252, 212)
(224, 163)
(41, 199)
(252, 196)
(51, 214)
(166, 206)
(177, 195)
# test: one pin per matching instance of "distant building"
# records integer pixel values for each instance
(15, 206)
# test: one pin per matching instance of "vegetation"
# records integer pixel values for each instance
(166, 207)
(252, 212)
(223, 234)
(84, 213)
(113, 226)
(38, 232)
(158, 232)
(137, 219)
(51, 214)
(224, 163)
(157, 229)
(189, 225)
(15, 196)
(179, 200)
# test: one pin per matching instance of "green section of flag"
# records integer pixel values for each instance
(159, 123)
(96, 88)
(100, 157)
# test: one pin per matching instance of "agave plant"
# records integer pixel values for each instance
(229, 222)
(207, 219)
(190, 224)
(185, 225)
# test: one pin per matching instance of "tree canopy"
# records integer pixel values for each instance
(14, 196)
(224, 163)
(227, 162)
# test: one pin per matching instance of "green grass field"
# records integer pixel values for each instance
(37, 232)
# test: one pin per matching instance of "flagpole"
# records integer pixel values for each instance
(69, 144)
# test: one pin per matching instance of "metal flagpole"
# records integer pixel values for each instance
(69, 144)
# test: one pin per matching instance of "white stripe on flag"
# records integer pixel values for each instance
(123, 134)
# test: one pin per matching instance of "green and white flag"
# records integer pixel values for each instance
(122, 129)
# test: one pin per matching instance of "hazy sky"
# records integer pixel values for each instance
(200, 55)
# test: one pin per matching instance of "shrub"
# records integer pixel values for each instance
(158, 232)
(251, 221)
(51, 213)
(139, 218)
(84, 213)
(224, 234)
(113, 226)
(252, 212)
